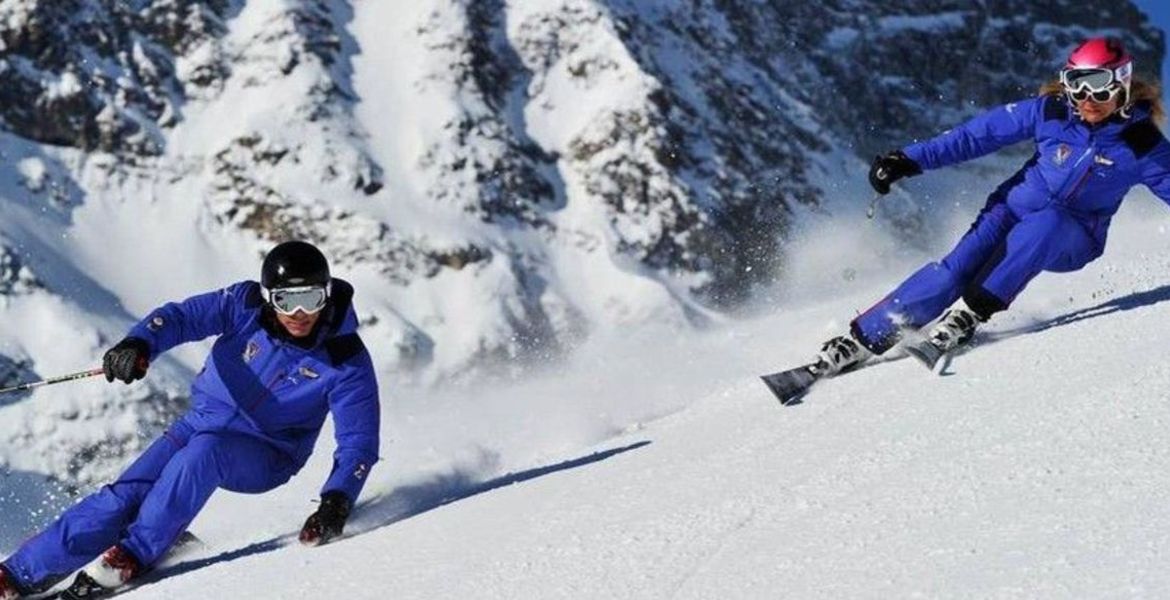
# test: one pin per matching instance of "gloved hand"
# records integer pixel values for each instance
(127, 360)
(328, 521)
(887, 169)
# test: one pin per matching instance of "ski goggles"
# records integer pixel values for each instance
(309, 299)
(1100, 85)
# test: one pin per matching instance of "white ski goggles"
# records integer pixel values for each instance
(1100, 84)
(309, 299)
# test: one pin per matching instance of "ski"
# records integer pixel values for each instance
(925, 352)
(185, 547)
(791, 385)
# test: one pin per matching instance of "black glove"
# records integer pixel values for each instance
(328, 521)
(887, 169)
(127, 361)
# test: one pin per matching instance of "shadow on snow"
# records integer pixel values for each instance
(401, 504)
(1120, 304)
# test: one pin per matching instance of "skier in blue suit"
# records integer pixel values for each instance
(287, 355)
(1095, 137)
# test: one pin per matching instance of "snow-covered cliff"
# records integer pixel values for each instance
(503, 180)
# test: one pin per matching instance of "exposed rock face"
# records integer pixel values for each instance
(101, 75)
(699, 169)
(496, 173)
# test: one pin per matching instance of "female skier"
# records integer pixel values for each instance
(1095, 138)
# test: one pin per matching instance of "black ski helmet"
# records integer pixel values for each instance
(292, 264)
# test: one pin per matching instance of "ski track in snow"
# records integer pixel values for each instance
(1034, 466)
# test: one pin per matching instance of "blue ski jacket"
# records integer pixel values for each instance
(261, 382)
(1084, 170)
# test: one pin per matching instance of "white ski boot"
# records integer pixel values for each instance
(103, 576)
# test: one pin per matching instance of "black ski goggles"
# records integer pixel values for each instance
(309, 299)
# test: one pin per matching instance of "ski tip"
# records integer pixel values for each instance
(793, 401)
(783, 395)
(789, 386)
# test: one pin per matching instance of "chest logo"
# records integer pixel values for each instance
(1102, 160)
(308, 373)
(1062, 154)
(250, 351)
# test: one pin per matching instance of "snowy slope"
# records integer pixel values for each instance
(660, 467)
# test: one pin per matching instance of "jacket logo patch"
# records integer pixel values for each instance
(308, 373)
(360, 471)
(155, 324)
(1062, 154)
(1101, 160)
(250, 351)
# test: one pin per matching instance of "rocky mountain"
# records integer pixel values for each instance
(502, 179)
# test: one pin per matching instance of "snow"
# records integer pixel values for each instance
(946, 20)
(655, 464)
(33, 170)
(401, 118)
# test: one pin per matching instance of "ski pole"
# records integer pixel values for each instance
(881, 175)
(50, 381)
(873, 206)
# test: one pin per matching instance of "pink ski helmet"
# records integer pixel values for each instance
(1100, 68)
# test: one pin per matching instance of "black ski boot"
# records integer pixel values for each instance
(956, 328)
(841, 354)
(83, 587)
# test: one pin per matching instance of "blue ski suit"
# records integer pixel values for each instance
(1052, 215)
(257, 408)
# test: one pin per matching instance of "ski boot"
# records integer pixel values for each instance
(103, 576)
(841, 354)
(955, 328)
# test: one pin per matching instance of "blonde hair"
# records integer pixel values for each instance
(1140, 90)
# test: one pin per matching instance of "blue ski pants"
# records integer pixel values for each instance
(988, 268)
(151, 503)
